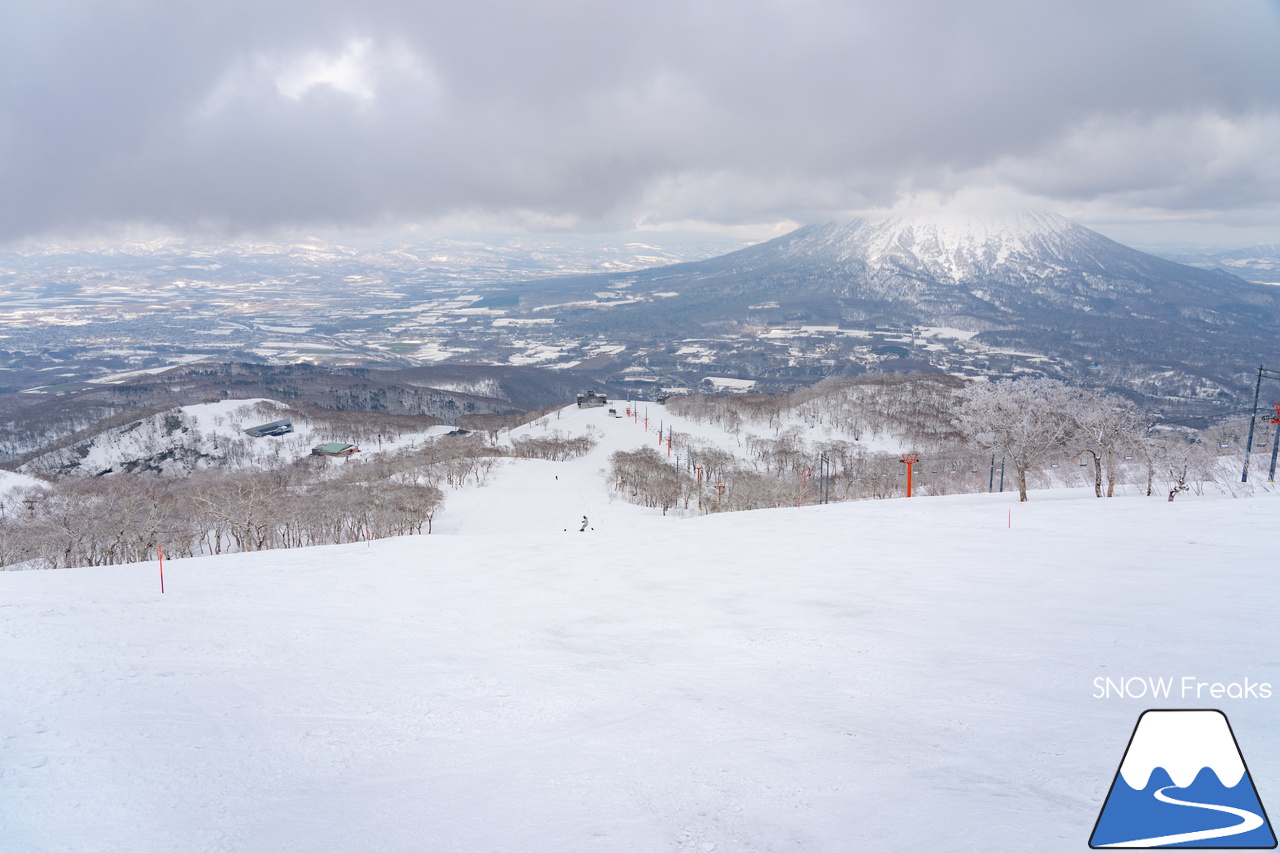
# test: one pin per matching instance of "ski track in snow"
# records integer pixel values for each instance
(790, 679)
(1248, 822)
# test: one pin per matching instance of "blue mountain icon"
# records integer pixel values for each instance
(1183, 783)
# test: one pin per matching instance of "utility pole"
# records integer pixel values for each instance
(824, 479)
(1275, 445)
(1263, 373)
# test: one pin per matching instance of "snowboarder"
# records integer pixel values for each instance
(584, 525)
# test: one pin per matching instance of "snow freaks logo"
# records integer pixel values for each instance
(1183, 783)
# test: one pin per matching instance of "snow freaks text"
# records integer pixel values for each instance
(1186, 687)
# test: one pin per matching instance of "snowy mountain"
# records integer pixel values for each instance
(954, 246)
(1027, 282)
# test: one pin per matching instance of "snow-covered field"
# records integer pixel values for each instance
(11, 482)
(901, 675)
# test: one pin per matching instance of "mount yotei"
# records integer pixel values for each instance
(1024, 291)
(1019, 293)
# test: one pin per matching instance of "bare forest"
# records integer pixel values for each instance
(829, 442)
(315, 500)
(191, 486)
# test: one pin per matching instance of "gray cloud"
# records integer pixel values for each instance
(240, 117)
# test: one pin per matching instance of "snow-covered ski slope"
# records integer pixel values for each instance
(901, 675)
(11, 482)
(533, 496)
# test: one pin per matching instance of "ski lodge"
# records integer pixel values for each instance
(273, 428)
(334, 448)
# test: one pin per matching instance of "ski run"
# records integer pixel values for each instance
(882, 675)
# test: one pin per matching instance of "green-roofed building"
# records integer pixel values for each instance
(334, 448)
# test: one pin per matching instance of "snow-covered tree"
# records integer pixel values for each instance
(1181, 463)
(1104, 426)
(1025, 421)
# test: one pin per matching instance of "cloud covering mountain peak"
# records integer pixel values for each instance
(245, 117)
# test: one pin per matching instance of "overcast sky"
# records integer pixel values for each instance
(1140, 117)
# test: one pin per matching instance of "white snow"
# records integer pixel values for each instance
(952, 243)
(891, 675)
(207, 435)
(11, 482)
(945, 332)
(302, 330)
(115, 378)
(1183, 743)
(728, 382)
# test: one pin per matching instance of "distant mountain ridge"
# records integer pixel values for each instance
(1026, 281)
(1253, 263)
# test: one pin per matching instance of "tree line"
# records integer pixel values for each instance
(1031, 432)
(126, 517)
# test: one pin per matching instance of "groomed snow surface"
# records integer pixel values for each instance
(901, 675)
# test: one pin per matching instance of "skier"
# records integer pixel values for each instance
(584, 525)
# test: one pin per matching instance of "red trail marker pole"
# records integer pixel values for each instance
(160, 552)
